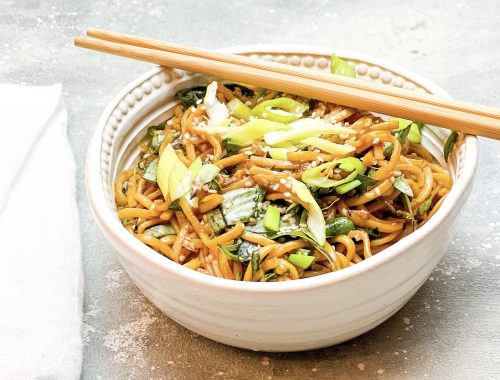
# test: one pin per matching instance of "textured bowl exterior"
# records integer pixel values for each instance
(289, 316)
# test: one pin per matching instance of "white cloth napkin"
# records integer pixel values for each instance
(41, 277)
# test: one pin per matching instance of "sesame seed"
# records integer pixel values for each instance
(199, 101)
(393, 179)
(287, 194)
(248, 103)
(248, 152)
(282, 181)
(187, 136)
(321, 159)
(288, 185)
(182, 258)
(203, 108)
(313, 114)
(377, 191)
(343, 136)
(211, 157)
(396, 173)
(193, 109)
(376, 141)
(212, 191)
(170, 122)
(276, 187)
(313, 164)
(248, 183)
(345, 212)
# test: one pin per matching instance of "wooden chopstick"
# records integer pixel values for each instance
(440, 101)
(310, 88)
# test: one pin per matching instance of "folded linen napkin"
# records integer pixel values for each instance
(41, 277)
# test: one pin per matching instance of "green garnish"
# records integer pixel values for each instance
(388, 148)
(424, 207)
(241, 204)
(239, 109)
(281, 110)
(255, 261)
(160, 231)
(272, 218)
(339, 226)
(216, 220)
(191, 96)
(449, 144)
(401, 184)
(346, 187)
(301, 261)
(340, 67)
(151, 170)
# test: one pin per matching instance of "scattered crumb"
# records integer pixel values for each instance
(406, 320)
(314, 369)
(265, 361)
(380, 371)
(361, 366)
(220, 373)
(170, 362)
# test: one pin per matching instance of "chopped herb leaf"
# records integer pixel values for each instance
(338, 226)
(366, 183)
(424, 207)
(255, 261)
(160, 231)
(449, 144)
(190, 96)
(401, 184)
(269, 277)
(151, 170)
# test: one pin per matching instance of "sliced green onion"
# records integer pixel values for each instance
(424, 207)
(303, 129)
(282, 110)
(345, 188)
(313, 176)
(350, 164)
(245, 134)
(207, 173)
(449, 144)
(315, 219)
(414, 135)
(401, 184)
(403, 123)
(160, 231)
(272, 218)
(151, 170)
(340, 67)
(279, 153)
(339, 226)
(328, 146)
(239, 109)
(301, 261)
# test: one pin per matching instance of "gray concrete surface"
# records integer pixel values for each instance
(449, 330)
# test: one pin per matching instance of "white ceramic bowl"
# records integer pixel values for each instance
(282, 316)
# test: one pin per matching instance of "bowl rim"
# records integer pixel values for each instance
(106, 218)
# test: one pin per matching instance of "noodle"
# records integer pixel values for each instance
(212, 231)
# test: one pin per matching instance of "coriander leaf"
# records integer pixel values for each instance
(402, 134)
(366, 183)
(401, 184)
(424, 207)
(190, 96)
